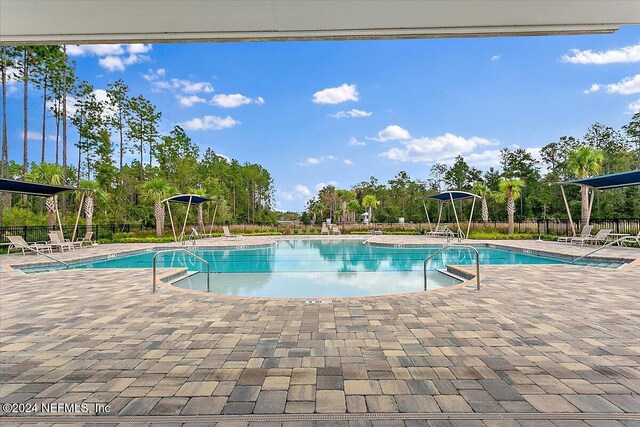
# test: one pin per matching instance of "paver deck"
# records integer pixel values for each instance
(535, 344)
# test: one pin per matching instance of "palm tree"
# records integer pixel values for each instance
(47, 173)
(583, 163)
(509, 191)
(370, 202)
(200, 192)
(155, 191)
(485, 192)
(89, 200)
(352, 208)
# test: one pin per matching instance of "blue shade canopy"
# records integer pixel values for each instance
(184, 198)
(32, 188)
(604, 182)
(447, 196)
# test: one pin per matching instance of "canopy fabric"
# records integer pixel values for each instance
(452, 195)
(194, 199)
(604, 182)
(32, 188)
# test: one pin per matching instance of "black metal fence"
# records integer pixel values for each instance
(559, 227)
(40, 233)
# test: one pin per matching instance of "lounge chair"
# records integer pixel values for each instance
(586, 232)
(324, 230)
(19, 243)
(226, 232)
(335, 229)
(632, 239)
(376, 232)
(600, 237)
(86, 239)
(59, 242)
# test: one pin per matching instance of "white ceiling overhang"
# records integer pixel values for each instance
(126, 21)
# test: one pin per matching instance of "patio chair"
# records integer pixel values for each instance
(600, 237)
(59, 242)
(75, 244)
(324, 230)
(19, 243)
(586, 232)
(335, 229)
(227, 233)
(633, 239)
(86, 239)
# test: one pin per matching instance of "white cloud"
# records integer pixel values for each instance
(154, 74)
(113, 57)
(392, 133)
(112, 63)
(353, 113)
(101, 95)
(319, 186)
(623, 55)
(310, 161)
(626, 86)
(594, 88)
(234, 100)
(95, 49)
(354, 141)
(336, 95)
(189, 101)
(210, 122)
(483, 160)
(137, 48)
(299, 192)
(347, 162)
(634, 107)
(182, 85)
(32, 135)
(495, 57)
(440, 148)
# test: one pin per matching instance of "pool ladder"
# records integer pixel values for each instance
(444, 248)
(187, 252)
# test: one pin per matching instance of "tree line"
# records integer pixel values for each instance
(107, 130)
(522, 188)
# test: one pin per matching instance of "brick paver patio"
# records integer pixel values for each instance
(536, 344)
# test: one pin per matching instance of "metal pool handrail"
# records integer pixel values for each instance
(613, 242)
(180, 250)
(66, 264)
(426, 261)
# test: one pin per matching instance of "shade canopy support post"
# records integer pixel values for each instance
(213, 221)
(566, 204)
(473, 205)
(426, 211)
(184, 224)
(75, 227)
(440, 204)
(58, 216)
(593, 194)
(455, 212)
(173, 228)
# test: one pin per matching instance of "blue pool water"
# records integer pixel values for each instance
(320, 268)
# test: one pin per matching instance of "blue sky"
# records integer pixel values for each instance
(314, 113)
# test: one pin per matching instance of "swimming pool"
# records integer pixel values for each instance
(320, 268)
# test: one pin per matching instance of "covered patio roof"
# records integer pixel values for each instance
(32, 188)
(605, 182)
(193, 199)
(452, 195)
